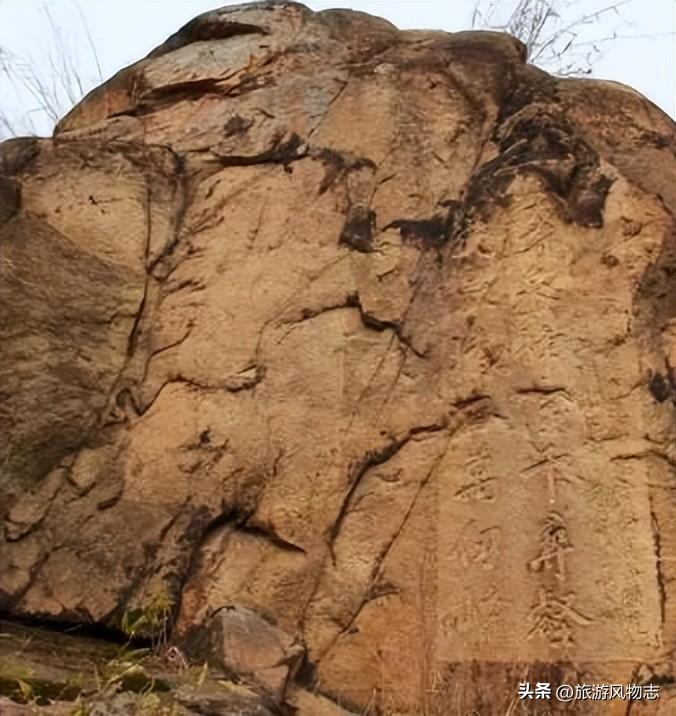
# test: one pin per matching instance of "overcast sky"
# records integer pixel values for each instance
(125, 30)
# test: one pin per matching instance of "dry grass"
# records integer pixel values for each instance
(565, 37)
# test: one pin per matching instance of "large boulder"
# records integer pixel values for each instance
(369, 332)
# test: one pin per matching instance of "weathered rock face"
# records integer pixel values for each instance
(369, 333)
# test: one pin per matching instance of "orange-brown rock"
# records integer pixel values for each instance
(237, 640)
(371, 333)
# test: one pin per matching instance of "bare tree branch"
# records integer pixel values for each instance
(53, 81)
(555, 36)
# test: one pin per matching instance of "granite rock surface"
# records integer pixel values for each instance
(369, 333)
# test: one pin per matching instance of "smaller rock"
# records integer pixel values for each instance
(238, 641)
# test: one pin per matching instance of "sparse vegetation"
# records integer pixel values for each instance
(150, 621)
(39, 667)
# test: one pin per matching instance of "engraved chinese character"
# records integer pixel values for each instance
(555, 544)
(552, 617)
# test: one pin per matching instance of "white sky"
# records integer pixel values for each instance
(123, 31)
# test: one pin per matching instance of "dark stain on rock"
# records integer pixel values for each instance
(338, 165)
(656, 293)
(431, 233)
(209, 26)
(192, 527)
(306, 675)
(10, 198)
(486, 188)
(251, 83)
(358, 229)
(547, 138)
(16, 154)
(281, 152)
(657, 140)
(151, 99)
(588, 198)
(660, 387)
(522, 86)
(534, 137)
(545, 144)
(335, 167)
(236, 125)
